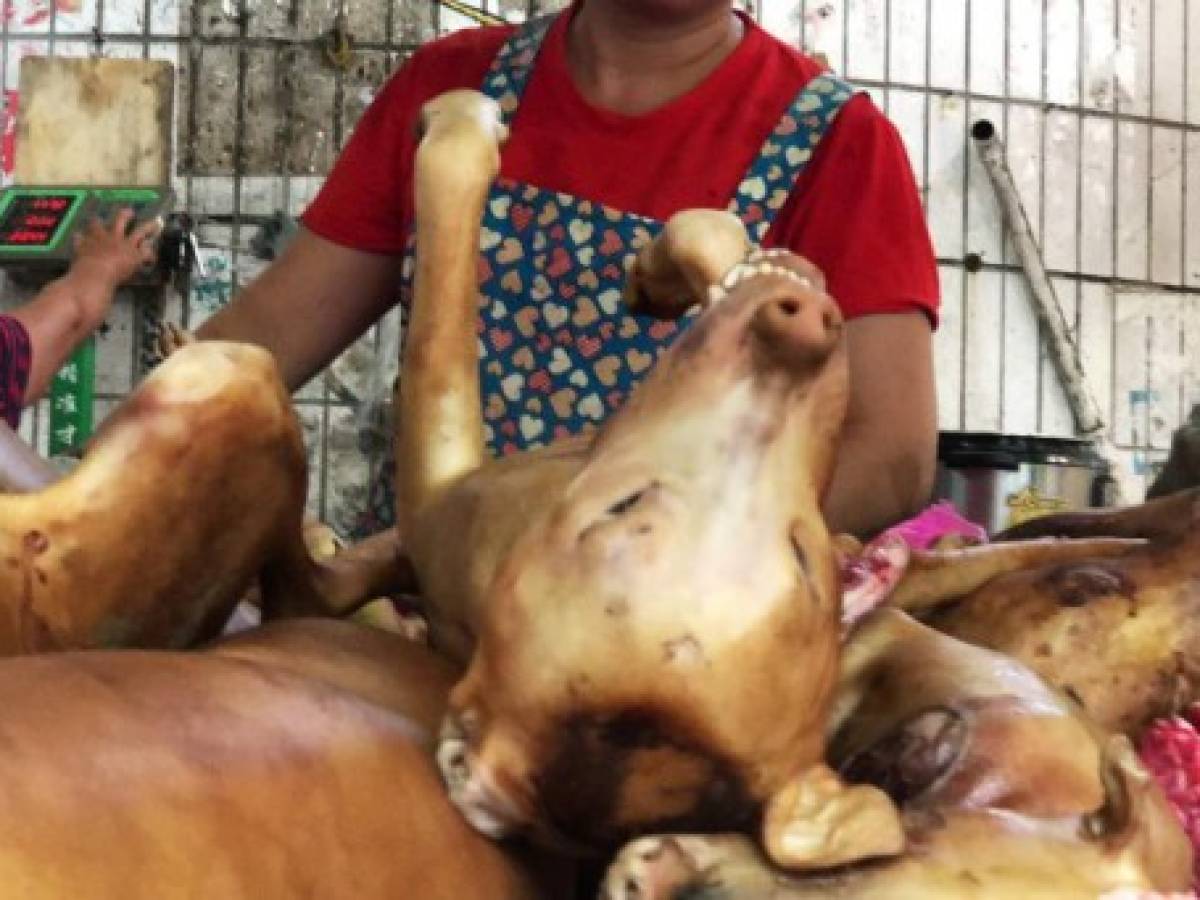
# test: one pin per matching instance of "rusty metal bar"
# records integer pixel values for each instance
(1063, 350)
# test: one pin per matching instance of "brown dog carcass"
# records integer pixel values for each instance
(1182, 468)
(194, 487)
(655, 607)
(291, 762)
(1007, 790)
(1114, 621)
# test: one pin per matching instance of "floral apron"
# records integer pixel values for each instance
(558, 350)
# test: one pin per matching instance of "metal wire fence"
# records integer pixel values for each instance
(1097, 101)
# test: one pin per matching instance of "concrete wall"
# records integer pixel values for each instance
(1097, 102)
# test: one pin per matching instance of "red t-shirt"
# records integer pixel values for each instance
(854, 213)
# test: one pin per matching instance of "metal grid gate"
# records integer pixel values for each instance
(1098, 102)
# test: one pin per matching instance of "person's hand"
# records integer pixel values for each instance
(108, 254)
(70, 308)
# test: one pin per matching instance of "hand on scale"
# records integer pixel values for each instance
(78, 246)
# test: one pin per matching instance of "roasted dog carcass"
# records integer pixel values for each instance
(193, 488)
(193, 485)
(1007, 790)
(650, 614)
(645, 612)
(291, 762)
(1114, 621)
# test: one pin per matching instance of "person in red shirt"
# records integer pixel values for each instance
(37, 338)
(621, 113)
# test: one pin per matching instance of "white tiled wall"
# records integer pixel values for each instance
(1098, 102)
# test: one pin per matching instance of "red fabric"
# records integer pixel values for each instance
(855, 212)
(15, 360)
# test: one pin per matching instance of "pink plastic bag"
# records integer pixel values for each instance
(868, 579)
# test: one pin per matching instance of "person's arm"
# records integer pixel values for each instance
(309, 304)
(70, 308)
(857, 217)
(341, 271)
(55, 324)
(887, 460)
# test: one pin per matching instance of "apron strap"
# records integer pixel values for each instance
(786, 153)
(510, 70)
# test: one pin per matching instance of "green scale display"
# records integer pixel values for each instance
(37, 240)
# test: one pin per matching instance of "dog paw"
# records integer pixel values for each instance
(171, 337)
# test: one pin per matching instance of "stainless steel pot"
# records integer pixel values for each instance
(1000, 480)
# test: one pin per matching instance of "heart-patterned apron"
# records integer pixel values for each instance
(558, 350)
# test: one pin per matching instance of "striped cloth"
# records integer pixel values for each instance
(15, 359)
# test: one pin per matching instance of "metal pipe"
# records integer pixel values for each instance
(1064, 353)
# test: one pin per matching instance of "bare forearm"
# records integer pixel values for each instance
(873, 488)
(888, 455)
(309, 305)
(57, 322)
(248, 320)
(70, 308)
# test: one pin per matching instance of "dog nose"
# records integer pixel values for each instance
(803, 326)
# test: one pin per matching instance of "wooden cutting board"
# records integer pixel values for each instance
(94, 121)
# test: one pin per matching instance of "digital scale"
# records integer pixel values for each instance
(38, 226)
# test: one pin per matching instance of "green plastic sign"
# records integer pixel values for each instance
(71, 395)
